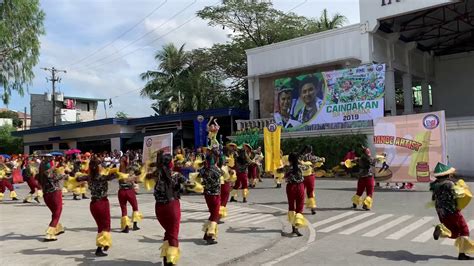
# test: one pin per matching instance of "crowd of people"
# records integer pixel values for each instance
(219, 172)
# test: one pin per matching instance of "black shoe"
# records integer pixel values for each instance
(60, 233)
(74, 197)
(106, 248)
(125, 230)
(220, 222)
(211, 241)
(354, 206)
(135, 227)
(25, 201)
(463, 256)
(437, 232)
(296, 231)
(278, 186)
(100, 253)
(37, 199)
(50, 240)
(245, 200)
(313, 211)
(84, 196)
(15, 199)
(232, 199)
(365, 207)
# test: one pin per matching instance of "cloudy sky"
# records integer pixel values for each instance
(77, 32)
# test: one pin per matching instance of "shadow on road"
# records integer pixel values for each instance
(401, 255)
(15, 236)
(376, 190)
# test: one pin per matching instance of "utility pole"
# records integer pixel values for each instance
(54, 78)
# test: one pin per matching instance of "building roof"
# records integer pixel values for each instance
(85, 99)
(21, 115)
(237, 113)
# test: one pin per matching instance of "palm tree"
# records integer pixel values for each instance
(163, 84)
(326, 23)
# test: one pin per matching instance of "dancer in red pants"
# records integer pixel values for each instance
(211, 180)
(49, 181)
(126, 194)
(307, 159)
(28, 174)
(5, 173)
(241, 168)
(365, 183)
(295, 193)
(167, 206)
(226, 185)
(99, 206)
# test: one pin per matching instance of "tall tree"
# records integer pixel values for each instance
(21, 24)
(326, 22)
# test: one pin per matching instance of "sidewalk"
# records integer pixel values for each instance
(22, 228)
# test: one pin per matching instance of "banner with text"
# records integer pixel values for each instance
(412, 145)
(152, 144)
(272, 141)
(319, 100)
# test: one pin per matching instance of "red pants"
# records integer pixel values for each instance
(309, 185)
(253, 171)
(456, 224)
(295, 195)
(225, 192)
(213, 203)
(33, 185)
(100, 210)
(54, 201)
(4, 183)
(242, 181)
(129, 195)
(169, 216)
(367, 184)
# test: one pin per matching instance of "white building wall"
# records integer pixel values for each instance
(453, 90)
(461, 148)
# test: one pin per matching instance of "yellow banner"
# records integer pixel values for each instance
(272, 147)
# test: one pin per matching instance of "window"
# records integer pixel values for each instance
(63, 146)
(83, 106)
(418, 96)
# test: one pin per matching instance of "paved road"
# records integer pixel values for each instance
(397, 231)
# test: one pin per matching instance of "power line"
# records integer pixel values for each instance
(298, 5)
(120, 36)
(141, 37)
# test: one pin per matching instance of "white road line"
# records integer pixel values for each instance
(287, 256)
(238, 211)
(332, 219)
(410, 228)
(425, 236)
(449, 241)
(346, 222)
(264, 220)
(365, 224)
(242, 217)
(196, 215)
(387, 226)
(258, 218)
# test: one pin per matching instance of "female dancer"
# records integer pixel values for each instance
(5, 172)
(29, 172)
(241, 168)
(126, 194)
(295, 193)
(99, 206)
(307, 159)
(167, 206)
(366, 181)
(49, 181)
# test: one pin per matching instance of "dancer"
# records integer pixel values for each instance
(366, 181)
(279, 175)
(167, 206)
(241, 168)
(229, 177)
(99, 206)
(49, 181)
(5, 175)
(295, 193)
(450, 197)
(212, 130)
(28, 172)
(211, 179)
(307, 159)
(126, 194)
(252, 167)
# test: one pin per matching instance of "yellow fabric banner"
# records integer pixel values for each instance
(271, 140)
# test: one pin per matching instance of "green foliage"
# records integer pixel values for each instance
(21, 24)
(17, 122)
(121, 114)
(8, 143)
(333, 148)
(249, 136)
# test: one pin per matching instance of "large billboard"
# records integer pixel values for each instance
(412, 144)
(152, 144)
(324, 99)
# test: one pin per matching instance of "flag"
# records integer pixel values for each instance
(271, 137)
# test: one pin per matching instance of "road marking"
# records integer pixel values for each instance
(424, 237)
(287, 256)
(449, 241)
(199, 215)
(259, 217)
(264, 220)
(242, 217)
(410, 228)
(365, 224)
(346, 222)
(332, 219)
(387, 226)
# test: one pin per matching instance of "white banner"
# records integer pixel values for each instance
(152, 144)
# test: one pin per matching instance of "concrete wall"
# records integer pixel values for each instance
(41, 111)
(453, 90)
